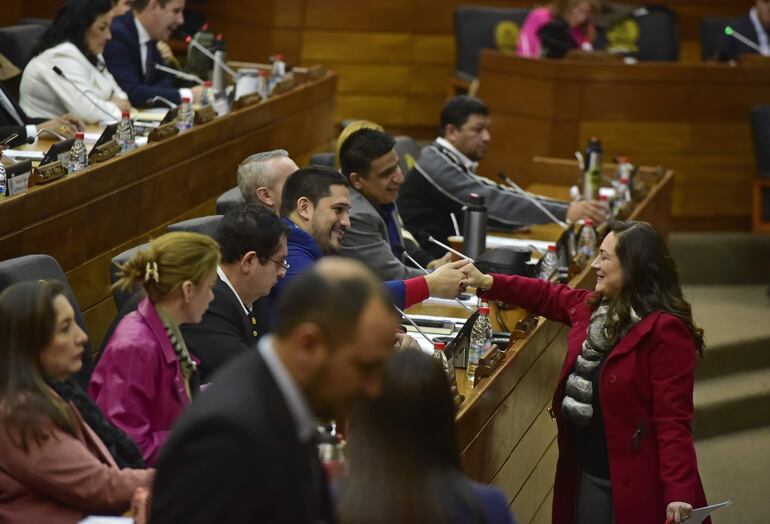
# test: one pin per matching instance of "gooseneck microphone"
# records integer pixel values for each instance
(165, 101)
(179, 74)
(31, 139)
(532, 199)
(409, 319)
(424, 236)
(70, 82)
(402, 251)
(217, 62)
(729, 31)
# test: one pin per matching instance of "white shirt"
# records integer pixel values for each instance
(294, 397)
(764, 41)
(31, 129)
(221, 275)
(44, 94)
(470, 164)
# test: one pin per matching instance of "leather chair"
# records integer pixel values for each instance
(408, 152)
(44, 22)
(650, 33)
(122, 296)
(711, 31)
(760, 131)
(44, 267)
(17, 41)
(205, 225)
(478, 28)
(229, 199)
(323, 159)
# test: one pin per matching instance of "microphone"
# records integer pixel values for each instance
(402, 251)
(424, 236)
(162, 99)
(408, 319)
(532, 199)
(31, 139)
(218, 63)
(179, 74)
(729, 31)
(96, 105)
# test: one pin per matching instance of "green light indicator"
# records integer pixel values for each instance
(729, 31)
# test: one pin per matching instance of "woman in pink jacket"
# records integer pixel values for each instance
(624, 399)
(560, 26)
(54, 468)
(146, 376)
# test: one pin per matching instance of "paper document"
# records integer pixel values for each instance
(497, 241)
(700, 514)
(107, 520)
(18, 154)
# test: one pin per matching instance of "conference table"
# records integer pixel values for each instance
(88, 217)
(692, 118)
(505, 434)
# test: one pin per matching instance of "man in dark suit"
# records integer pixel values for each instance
(252, 240)
(755, 26)
(132, 53)
(13, 119)
(244, 452)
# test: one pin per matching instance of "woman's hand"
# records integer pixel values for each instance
(477, 279)
(122, 103)
(678, 511)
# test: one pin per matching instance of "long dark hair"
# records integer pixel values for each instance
(71, 25)
(27, 324)
(403, 462)
(650, 280)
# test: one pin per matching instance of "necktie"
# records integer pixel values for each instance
(150, 62)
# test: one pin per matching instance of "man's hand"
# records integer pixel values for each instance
(438, 262)
(447, 281)
(122, 103)
(404, 341)
(65, 125)
(592, 209)
(477, 279)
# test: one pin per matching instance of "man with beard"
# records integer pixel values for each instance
(315, 206)
(252, 240)
(245, 450)
(444, 176)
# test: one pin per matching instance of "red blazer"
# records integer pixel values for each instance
(646, 384)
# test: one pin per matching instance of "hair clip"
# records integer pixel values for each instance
(151, 272)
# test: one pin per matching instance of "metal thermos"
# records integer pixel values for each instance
(218, 75)
(592, 176)
(475, 226)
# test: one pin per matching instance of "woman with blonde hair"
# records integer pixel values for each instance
(554, 30)
(54, 467)
(146, 376)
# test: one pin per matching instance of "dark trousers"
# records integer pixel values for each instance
(594, 500)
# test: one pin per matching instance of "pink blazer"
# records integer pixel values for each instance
(529, 42)
(138, 382)
(64, 478)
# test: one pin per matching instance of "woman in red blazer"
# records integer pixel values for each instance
(624, 400)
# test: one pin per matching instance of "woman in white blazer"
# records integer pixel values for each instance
(74, 43)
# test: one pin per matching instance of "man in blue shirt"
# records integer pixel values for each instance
(315, 206)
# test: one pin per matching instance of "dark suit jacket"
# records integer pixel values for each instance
(9, 125)
(235, 457)
(124, 61)
(729, 48)
(225, 330)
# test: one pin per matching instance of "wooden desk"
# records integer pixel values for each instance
(505, 434)
(85, 219)
(689, 118)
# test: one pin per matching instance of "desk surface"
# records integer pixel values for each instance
(86, 218)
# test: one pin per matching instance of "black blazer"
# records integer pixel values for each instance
(729, 48)
(225, 330)
(9, 125)
(235, 457)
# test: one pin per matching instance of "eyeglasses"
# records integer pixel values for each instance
(281, 263)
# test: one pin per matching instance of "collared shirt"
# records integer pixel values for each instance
(144, 41)
(294, 397)
(467, 162)
(764, 40)
(223, 277)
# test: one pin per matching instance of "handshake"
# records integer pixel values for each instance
(449, 280)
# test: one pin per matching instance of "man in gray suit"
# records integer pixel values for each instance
(370, 163)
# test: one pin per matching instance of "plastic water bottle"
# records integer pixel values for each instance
(125, 134)
(3, 178)
(78, 157)
(481, 341)
(438, 354)
(263, 90)
(185, 116)
(587, 242)
(278, 72)
(207, 96)
(549, 263)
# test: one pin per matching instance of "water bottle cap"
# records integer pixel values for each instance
(277, 57)
(484, 310)
(185, 99)
(80, 135)
(125, 114)
(552, 247)
(439, 346)
(622, 160)
(207, 83)
(261, 72)
(589, 222)
(205, 27)
(602, 197)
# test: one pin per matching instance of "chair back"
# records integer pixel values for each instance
(478, 28)
(204, 225)
(122, 296)
(711, 31)
(229, 199)
(17, 41)
(408, 152)
(760, 132)
(324, 159)
(649, 34)
(44, 267)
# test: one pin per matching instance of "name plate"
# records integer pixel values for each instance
(247, 100)
(48, 172)
(104, 152)
(205, 114)
(163, 132)
(285, 85)
(18, 176)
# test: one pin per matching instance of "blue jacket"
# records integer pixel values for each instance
(493, 505)
(124, 61)
(303, 252)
